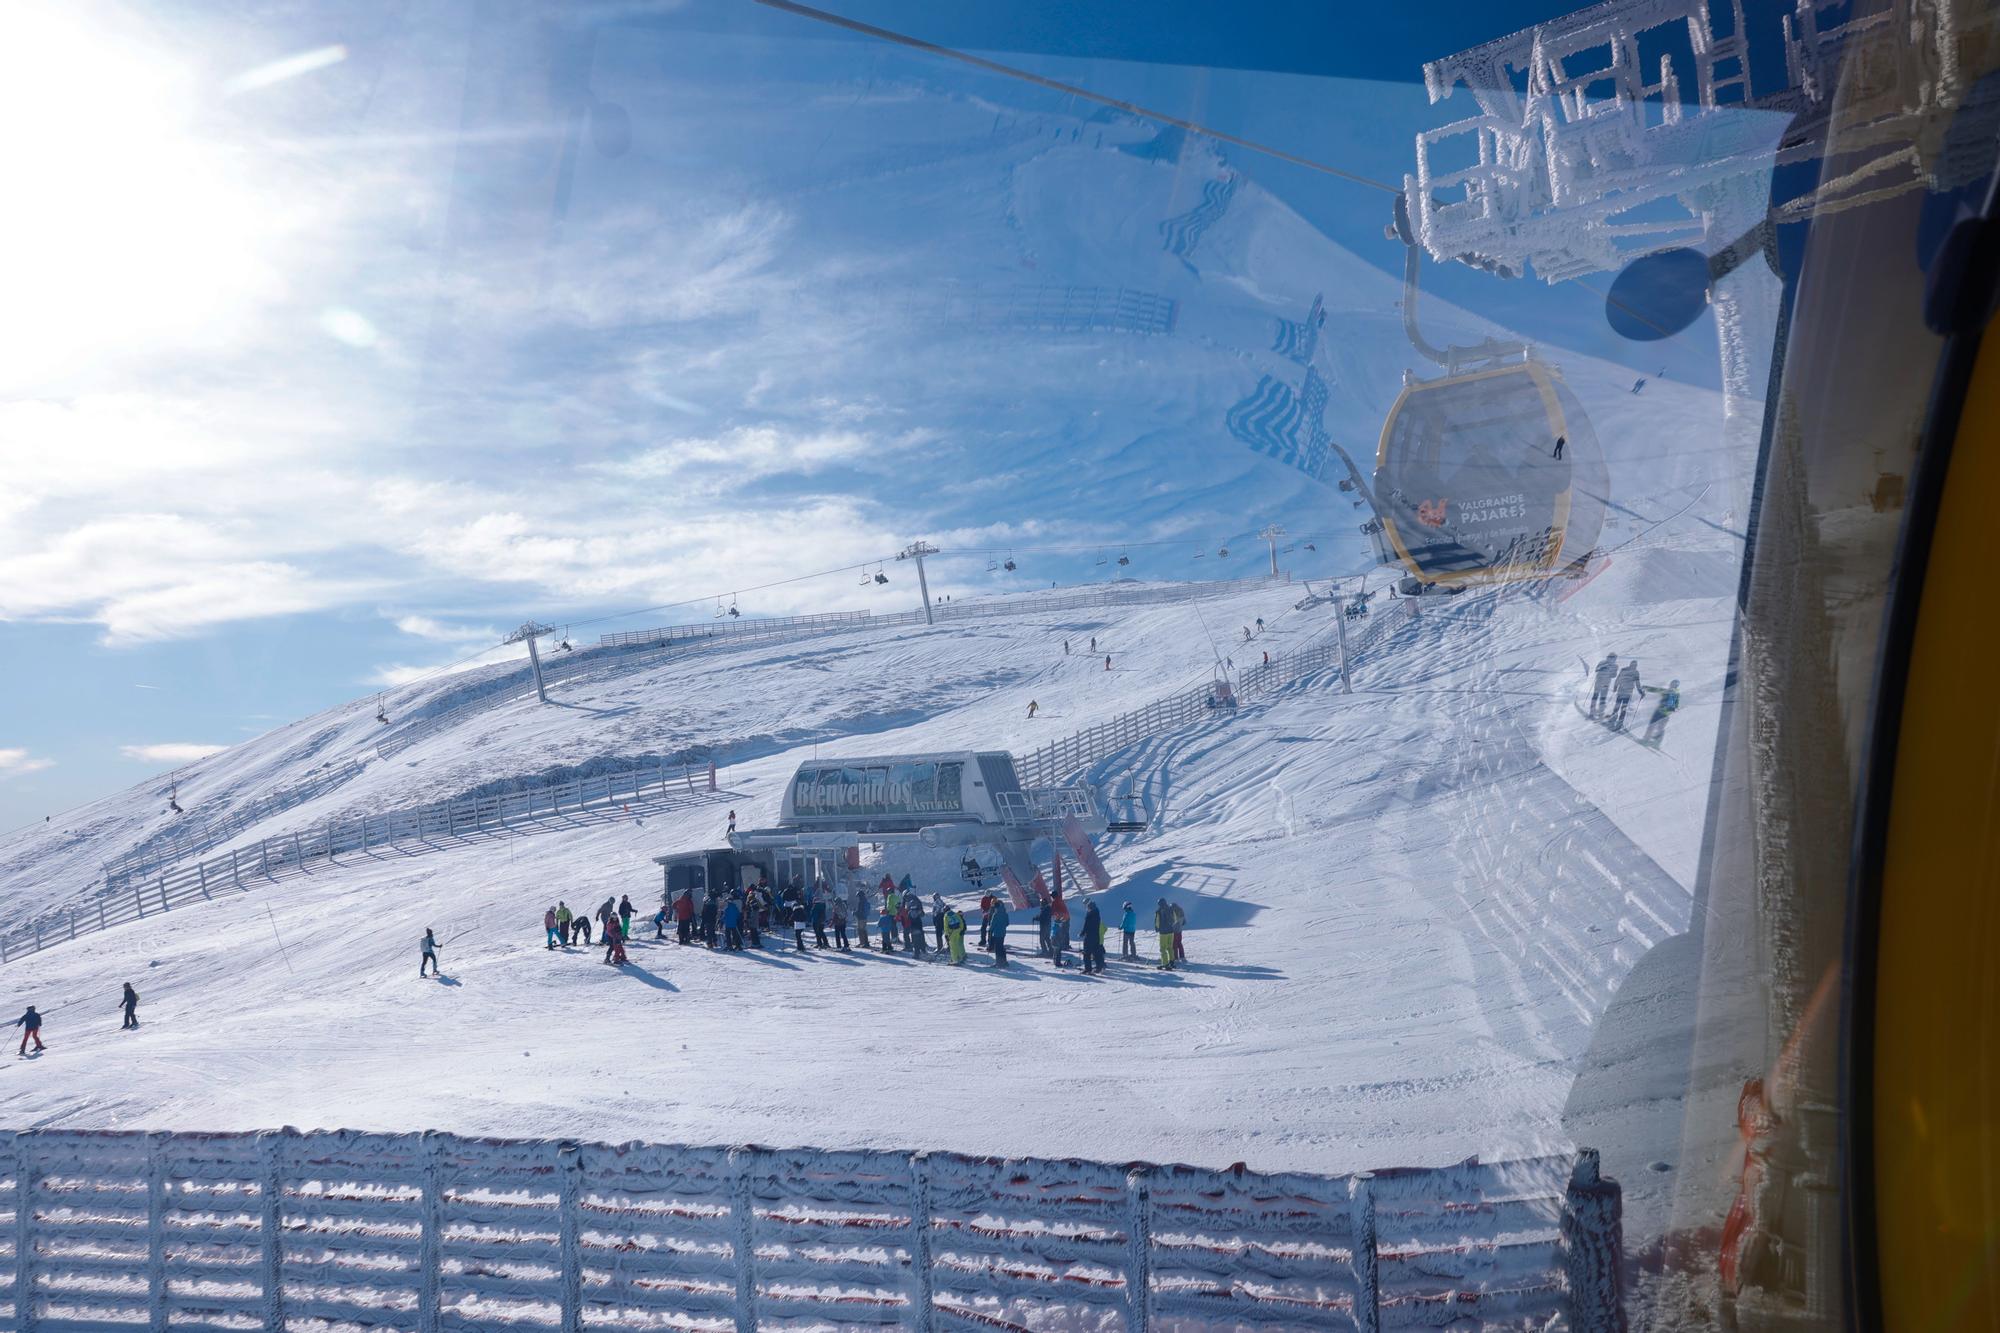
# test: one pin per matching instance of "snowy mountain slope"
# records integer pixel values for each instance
(1405, 922)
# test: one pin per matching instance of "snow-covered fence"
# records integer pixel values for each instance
(728, 627)
(1048, 765)
(191, 836)
(418, 828)
(434, 1232)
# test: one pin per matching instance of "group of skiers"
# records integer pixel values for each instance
(614, 927)
(819, 915)
(30, 1022)
(1614, 687)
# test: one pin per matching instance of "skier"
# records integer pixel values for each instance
(937, 918)
(1032, 708)
(1260, 624)
(684, 916)
(861, 913)
(30, 1024)
(912, 922)
(129, 1002)
(1059, 928)
(562, 921)
(1093, 643)
(1129, 923)
(732, 824)
(985, 916)
(1065, 647)
(996, 934)
(579, 930)
(1107, 661)
(756, 911)
(1246, 634)
(886, 923)
(1163, 926)
(549, 924)
(732, 926)
(1267, 659)
(801, 920)
(625, 915)
(1601, 682)
(818, 914)
(954, 934)
(710, 910)
(614, 942)
(660, 924)
(1044, 915)
(1669, 704)
(1622, 691)
(430, 958)
(1093, 938)
(840, 923)
(1180, 932)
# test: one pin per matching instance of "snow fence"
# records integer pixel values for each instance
(408, 831)
(433, 1232)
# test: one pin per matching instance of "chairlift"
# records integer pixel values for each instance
(1130, 819)
(1221, 551)
(381, 709)
(563, 642)
(720, 612)
(880, 577)
(1124, 558)
(733, 612)
(992, 566)
(1008, 563)
(174, 799)
(1311, 547)
(865, 580)
(1199, 554)
(1100, 555)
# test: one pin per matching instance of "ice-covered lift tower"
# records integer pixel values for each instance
(1638, 125)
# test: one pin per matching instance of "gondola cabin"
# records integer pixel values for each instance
(1487, 476)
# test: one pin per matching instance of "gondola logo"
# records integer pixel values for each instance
(1430, 513)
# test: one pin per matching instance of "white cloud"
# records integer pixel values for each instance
(170, 752)
(18, 763)
(424, 627)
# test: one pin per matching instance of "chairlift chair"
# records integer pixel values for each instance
(1311, 547)
(1008, 564)
(1124, 558)
(1100, 555)
(1221, 551)
(992, 566)
(880, 577)
(733, 612)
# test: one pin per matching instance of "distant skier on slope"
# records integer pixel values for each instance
(1033, 708)
(996, 933)
(1627, 685)
(430, 953)
(30, 1024)
(954, 934)
(1601, 682)
(1669, 704)
(1093, 938)
(129, 1002)
(1107, 661)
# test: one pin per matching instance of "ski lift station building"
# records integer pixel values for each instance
(957, 798)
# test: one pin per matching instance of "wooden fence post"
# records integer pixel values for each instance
(1593, 1244)
(138, 899)
(922, 1307)
(271, 1150)
(26, 1306)
(1138, 1251)
(569, 1178)
(744, 1204)
(156, 1230)
(1365, 1260)
(430, 1239)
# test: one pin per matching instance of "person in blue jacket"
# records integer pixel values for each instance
(996, 933)
(732, 924)
(30, 1024)
(1129, 923)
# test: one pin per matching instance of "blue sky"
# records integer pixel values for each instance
(354, 335)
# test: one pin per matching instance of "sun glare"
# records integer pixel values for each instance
(125, 234)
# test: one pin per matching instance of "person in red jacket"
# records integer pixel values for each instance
(684, 917)
(985, 918)
(614, 941)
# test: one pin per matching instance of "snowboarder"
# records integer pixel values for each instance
(129, 1002)
(549, 924)
(1032, 707)
(1093, 938)
(861, 913)
(562, 921)
(430, 958)
(1129, 923)
(1601, 682)
(954, 934)
(1622, 691)
(1669, 704)
(625, 916)
(684, 916)
(996, 934)
(1163, 926)
(30, 1024)
(1180, 932)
